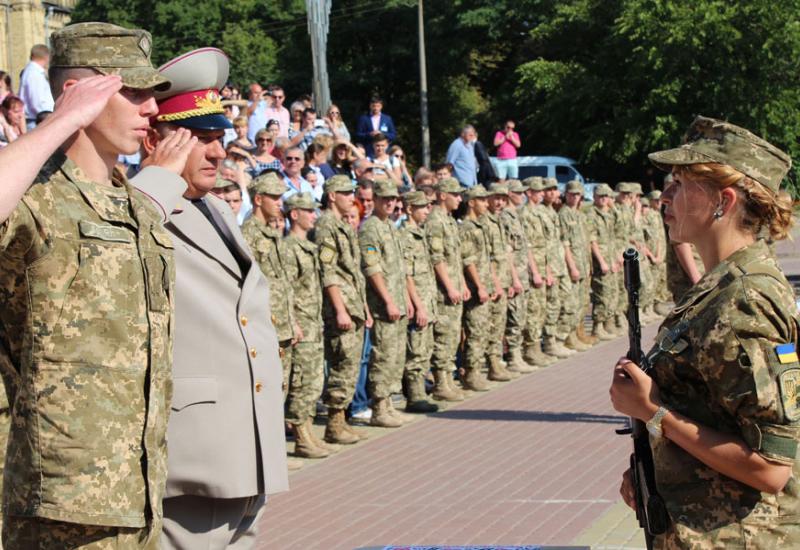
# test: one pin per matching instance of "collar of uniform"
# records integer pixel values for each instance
(414, 229)
(111, 203)
(306, 245)
(265, 229)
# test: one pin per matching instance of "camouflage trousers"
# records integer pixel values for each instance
(622, 296)
(536, 306)
(517, 319)
(285, 351)
(306, 381)
(647, 293)
(387, 358)
(604, 296)
(419, 349)
(476, 333)
(446, 336)
(660, 278)
(343, 353)
(5, 423)
(498, 315)
(29, 533)
(553, 304)
(572, 306)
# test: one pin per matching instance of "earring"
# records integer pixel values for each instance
(718, 213)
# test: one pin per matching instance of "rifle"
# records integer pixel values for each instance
(650, 508)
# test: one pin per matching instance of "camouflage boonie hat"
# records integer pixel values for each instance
(449, 185)
(534, 183)
(498, 189)
(637, 188)
(385, 189)
(624, 187)
(110, 50)
(476, 192)
(711, 140)
(268, 184)
(222, 183)
(575, 186)
(300, 201)
(416, 198)
(603, 190)
(516, 186)
(550, 183)
(339, 184)
(653, 195)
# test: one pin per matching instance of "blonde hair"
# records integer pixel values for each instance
(239, 122)
(762, 209)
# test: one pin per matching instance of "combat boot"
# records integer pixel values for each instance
(497, 372)
(401, 416)
(622, 322)
(336, 430)
(599, 332)
(585, 338)
(517, 363)
(304, 443)
(293, 464)
(610, 327)
(474, 380)
(417, 401)
(319, 442)
(574, 343)
(442, 389)
(535, 356)
(451, 383)
(561, 343)
(382, 416)
(552, 348)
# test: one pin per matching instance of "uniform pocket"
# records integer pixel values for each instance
(193, 391)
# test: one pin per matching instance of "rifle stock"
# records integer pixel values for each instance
(650, 508)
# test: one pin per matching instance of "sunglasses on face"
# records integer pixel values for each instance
(399, 156)
(263, 140)
(296, 159)
(335, 112)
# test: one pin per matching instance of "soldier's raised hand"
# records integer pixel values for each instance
(172, 151)
(83, 100)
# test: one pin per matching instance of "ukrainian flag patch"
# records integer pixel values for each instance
(787, 353)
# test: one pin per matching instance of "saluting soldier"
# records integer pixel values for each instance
(606, 263)
(269, 250)
(517, 317)
(541, 277)
(308, 356)
(444, 246)
(421, 288)
(344, 306)
(383, 266)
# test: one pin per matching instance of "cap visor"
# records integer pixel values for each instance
(680, 156)
(204, 122)
(141, 78)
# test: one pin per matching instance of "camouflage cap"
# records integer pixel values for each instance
(476, 192)
(498, 189)
(268, 184)
(711, 140)
(449, 185)
(385, 189)
(222, 183)
(624, 187)
(636, 188)
(603, 190)
(516, 186)
(534, 183)
(416, 198)
(339, 184)
(300, 201)
(653, 195)
(109, 50)
(550, 183)
(575, 186)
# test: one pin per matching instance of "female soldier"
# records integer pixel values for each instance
(722, 406)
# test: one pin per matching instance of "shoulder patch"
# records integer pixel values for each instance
(437, 244)
(788, 382)
(786, 353)
(326, 254)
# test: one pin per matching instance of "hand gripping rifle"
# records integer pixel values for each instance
(650, 509)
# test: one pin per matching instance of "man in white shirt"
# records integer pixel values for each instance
(34, 88)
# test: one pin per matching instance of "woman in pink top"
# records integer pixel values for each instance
(507, 143)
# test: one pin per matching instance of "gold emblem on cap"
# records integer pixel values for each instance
(211, 101)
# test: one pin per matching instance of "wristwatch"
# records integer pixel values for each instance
(654, 424)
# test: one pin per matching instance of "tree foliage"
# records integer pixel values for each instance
(603, 81)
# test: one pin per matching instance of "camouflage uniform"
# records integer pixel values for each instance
(678, 281)
(574, 293)
(623, 227)
(727, 375)
(512, 220)
(382, 253)
(535, 229)
(475, 250)
(340, 261)
(604, 286)
(269, 250)
(444, 244)
(558, 267)
(87, 291)
(655, 239)
(498, 309)
(419, 267)
(308, 358)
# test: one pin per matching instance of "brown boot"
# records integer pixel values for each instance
(319, 442)
(442, 390)
(401, 416)
(304, 443)
(585, 338)
(293, 464)
(572, 342)
(474, 380)
(417, 401)
(336, 430)
(498, 372)
(535, 356)
(600, 333)
(611, 327)
(455, 388)
(551, 347)
(517, 364)
(382, 416)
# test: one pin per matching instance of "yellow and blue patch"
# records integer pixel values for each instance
(787, 353)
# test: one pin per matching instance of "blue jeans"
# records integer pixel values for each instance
(507, 168)
(360, 398)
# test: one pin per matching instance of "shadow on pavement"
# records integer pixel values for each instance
(529, 416)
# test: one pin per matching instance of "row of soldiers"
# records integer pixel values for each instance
(508, 286)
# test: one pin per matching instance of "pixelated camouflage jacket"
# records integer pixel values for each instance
(302, 269)
(444, 244)
(269, 250)
(340, 264)
(382, 253)
(601, 231)
(554, 241)
(715, 361)
(498, 248)
(87, 309)
(476, 250)
(534, 222)
(512, 220)
(419, 266)
(575, 235)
